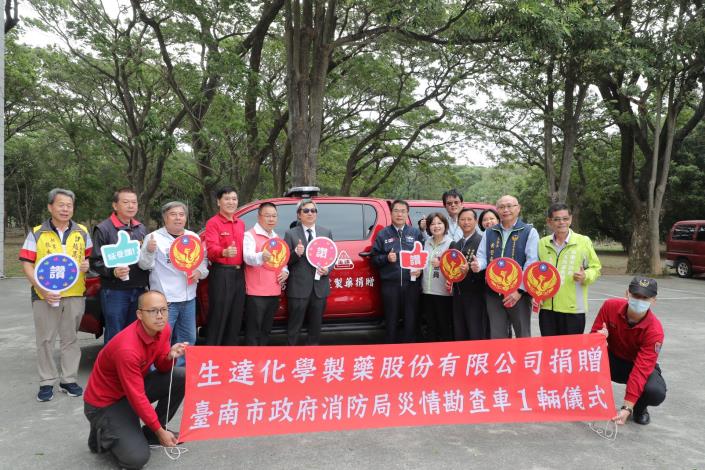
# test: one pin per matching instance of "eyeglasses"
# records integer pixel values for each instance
(508, 206)
(560, 219)
(453, 203)
(152, 312)
(309, 211)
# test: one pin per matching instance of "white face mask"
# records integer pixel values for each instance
(638, 305)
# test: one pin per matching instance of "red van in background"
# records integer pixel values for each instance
(355, 300)
(685, 247)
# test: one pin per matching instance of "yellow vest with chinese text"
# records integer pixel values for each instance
(48, 243)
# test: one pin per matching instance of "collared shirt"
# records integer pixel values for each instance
(46, 239)
(164, 277)
(121, 367)
(463, 239)
(28, 252)
(454, 231)
(250, 254)
(560, 247)
(106, 233)
(220, 234)
(640, 343)
(311, 228)
(531, 249)
(433, 282)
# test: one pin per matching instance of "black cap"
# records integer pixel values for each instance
(643, 286)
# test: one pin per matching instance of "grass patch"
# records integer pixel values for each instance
(13, 243)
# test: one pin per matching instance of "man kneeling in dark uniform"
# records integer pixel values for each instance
(634, 339)
(121, 386)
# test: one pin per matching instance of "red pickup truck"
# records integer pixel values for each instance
(354, 301)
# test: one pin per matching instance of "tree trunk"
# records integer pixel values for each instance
(639, 245)
(309, 27)
(549, 170)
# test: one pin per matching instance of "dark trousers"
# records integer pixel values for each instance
(438, 315)
(311, 308)
(519, 316)
(117, 427)
(260, 312)
(553, 323)
(226, 305)
(400, 300)
(470, 316)
(654, 391)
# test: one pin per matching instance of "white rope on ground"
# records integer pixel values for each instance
(172, 452)
(605, 432)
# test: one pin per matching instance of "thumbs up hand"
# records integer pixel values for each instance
(84, 266)
(579, 276)
(152, 244)
(299, 248)
(475, 264)
(392, 257)
(603, 330)
(230, 251)
(266, 256)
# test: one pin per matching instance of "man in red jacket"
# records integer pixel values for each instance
(121, 386)
(634, 339)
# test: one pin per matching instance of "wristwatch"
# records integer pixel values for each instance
(628, 408)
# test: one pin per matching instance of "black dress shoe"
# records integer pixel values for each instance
(642, 418)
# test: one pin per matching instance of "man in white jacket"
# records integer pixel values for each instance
(168, 280)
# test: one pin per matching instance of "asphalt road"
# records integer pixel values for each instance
(53, 435)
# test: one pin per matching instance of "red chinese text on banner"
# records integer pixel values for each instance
(186, 254)
(451, 260)
(503, 275)
(241, 391)
(542, 281)
(321, 252)
(280, 254)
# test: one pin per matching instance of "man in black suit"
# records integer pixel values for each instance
(306, 295)
(469, 315)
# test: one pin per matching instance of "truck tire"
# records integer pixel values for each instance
(683, 268)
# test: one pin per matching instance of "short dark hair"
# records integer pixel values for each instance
(126, 189)
(265, 204)
(224, 190)
(451, 193)
(482, 216)
(400, 201)
(467, 209)
(557, 206)
(441, 217)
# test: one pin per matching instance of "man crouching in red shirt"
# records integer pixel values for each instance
(121, 386)
(634, 339)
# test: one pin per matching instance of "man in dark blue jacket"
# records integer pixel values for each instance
(400, 294)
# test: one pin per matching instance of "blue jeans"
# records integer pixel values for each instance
(182, 320)
(119, 309)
